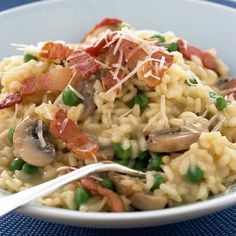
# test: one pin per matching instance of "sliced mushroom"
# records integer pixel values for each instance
(31, 142)
(171, 140)
(148, 201)
(125, 184)
(105, 153)
(87, 91)
(230, 90)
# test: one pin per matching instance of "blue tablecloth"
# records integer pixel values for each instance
(222, 223)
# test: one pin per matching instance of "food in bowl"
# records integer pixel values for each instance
(140, 98)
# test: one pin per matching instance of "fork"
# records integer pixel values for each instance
(11, 202)
(214, 119)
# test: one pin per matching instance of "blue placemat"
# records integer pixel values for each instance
(222, 223)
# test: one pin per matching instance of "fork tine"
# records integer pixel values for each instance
(219, 124)
(213, 118)
(204, 113)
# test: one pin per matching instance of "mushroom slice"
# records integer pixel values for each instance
(105, 153)
(31, 142)
(171, 140)
(125, 184)
(87, 91)
(148, 201)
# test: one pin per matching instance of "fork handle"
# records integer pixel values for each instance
(11, 202)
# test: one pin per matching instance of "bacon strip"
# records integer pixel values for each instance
(152, 82)
(169, 58)
(83, 63)
(230, 85)
(108, 81)
(114, 199)
(208, 60)
(96, 48)
(10, 100)
(132, 53)
(65, 129)
(54, 51)
(52, 81)
(107, 22)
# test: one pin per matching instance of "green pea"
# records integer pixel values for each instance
(28, 57)
(144, 156)
(141, 161)
(172, 47)
(122, 162)
(156, 161)
(121, 153)
(10, 135)
(29, 169)
(142, 100)
(140, 164)
(70, 98)
(16, 164)
(194, 175)
(212, 95)
(107, 183)
(123, 26)
(191, 82)
(81, 196)
(158, 180)
(160, 38)
(220, 103)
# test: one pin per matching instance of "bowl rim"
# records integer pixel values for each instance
(195, 209)
(46, 2)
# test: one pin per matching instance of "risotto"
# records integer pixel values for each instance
(149, 101)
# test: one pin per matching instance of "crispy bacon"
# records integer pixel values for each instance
(114, 199)
(96, 48)
(168, 57)
(108, 81)
(66, 130)
(52, 81)
(208, 60)
(83, 63)
(132, 53)
(150, 81)
(107, 22)
(54, 51)
(10, 100)
(230, 85)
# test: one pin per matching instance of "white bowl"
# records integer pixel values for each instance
(204, 24)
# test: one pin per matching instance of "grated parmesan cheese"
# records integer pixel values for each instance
(115, 75)
(59, 97)
(4, 133)
(15, 115)
(133, 72)
(163, 111)
(75, 92)
(162, 62)
(126, 113)
(102, 64)
(118, 45)
(115, 65)
(49, 115)
(39, 132)
(63, 126)
(146, 75)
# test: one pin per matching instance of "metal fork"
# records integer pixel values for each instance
(11, 202)
(16, 200)
(212, 120)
